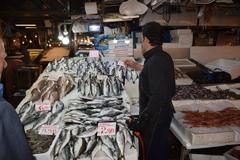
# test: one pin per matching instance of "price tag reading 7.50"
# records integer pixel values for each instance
(48, 130)
(108, 128)
(42, 107)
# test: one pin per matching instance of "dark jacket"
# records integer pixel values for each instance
(13, 144)
(156, 88)
(157, 82)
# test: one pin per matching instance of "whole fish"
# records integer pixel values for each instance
(35, 95)
(88, 133)
(120, 139)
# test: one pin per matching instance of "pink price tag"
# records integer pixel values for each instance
(43, 107)
(108, 128)
(48, 130)
(94, 53)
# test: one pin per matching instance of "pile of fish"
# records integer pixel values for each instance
(96, 98)
(198, 92)
(50, 90)
(84, 67)
(33, 119)
(39, 143)
(93, 86)
(79, 140)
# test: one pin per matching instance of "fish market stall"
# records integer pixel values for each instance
(194, 104)
(77, 109)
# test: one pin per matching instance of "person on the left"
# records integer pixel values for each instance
(13, 142)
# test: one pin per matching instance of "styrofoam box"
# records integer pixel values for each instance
(183, 63)
(205, 136)
(49, 154)
(205, 157)
(228, 156)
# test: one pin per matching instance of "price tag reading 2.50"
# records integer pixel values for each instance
(42, 107)
(108, 128)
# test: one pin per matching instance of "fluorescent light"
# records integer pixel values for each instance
(25, 25)
(30, 27)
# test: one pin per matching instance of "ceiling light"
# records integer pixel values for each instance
(65, 32)
(30, 27)
(115, 40)
(60, 36)
(127, 41)
(25, 25)
(65, 41)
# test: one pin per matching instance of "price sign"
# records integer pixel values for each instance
(43, 107)
(108, 128)
(123, 47)
(101, 77)
(48, 130)
(94, 53)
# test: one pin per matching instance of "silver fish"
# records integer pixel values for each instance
(108, 151)
(88, 133)
(120, 139)
(108, 142)
(66, 140)
(96, 149)
(77, 147)
(91, 145)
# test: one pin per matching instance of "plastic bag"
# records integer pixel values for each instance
(79, 27)
(132, 8)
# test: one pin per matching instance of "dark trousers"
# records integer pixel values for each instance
(155, 134)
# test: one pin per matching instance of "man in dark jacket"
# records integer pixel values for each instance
(156, 88)
(13, 144)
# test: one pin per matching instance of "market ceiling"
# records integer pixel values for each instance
(22, 10)
(36, 11)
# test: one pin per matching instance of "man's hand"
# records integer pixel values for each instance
(133, 64)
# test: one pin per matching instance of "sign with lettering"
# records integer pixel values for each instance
(43, 107)
(108, 128)
(48, 130)
(122, 47)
